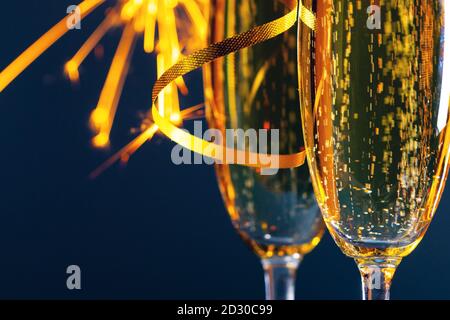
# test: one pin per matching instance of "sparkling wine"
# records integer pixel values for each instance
(375, 108)
(256, 88)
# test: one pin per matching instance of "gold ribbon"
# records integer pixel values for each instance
(199, 58)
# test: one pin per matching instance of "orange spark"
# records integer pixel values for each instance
(42, 44)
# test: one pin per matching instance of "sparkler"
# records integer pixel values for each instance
(162, 33)
(138, 17)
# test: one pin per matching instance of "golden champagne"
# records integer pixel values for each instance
(375, 107)
(256, 88)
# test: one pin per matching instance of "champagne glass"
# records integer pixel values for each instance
(256, 88)
(374, 103)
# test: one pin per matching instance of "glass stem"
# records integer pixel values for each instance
(376, 276)
(279, 275)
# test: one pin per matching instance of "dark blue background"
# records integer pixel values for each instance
(151, 229)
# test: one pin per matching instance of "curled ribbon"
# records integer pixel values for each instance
(216, 50)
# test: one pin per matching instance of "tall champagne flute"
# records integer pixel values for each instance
(374, 83)
(256, 88)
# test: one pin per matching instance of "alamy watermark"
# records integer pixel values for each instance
(73, 281)
(374, 19)
(374, 279)
(74, 19)
(232, 146)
